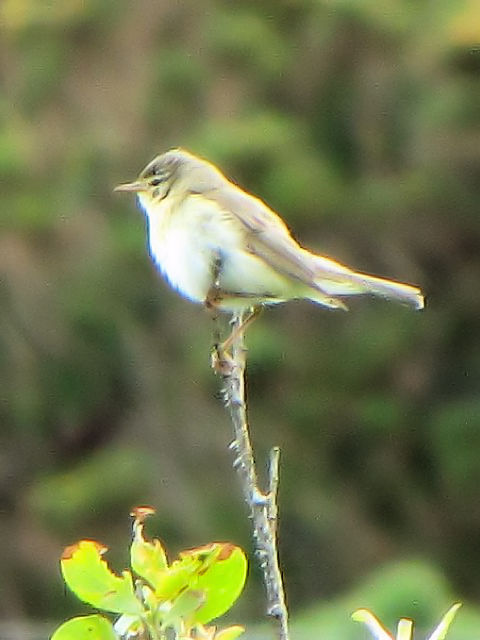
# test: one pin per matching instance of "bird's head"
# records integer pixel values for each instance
(176, 170)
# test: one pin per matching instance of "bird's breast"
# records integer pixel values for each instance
(185, 239)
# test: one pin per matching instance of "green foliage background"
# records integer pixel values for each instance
(357, 121)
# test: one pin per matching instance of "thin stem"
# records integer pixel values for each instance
(262, 505)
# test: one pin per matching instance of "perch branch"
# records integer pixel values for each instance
(262, 505)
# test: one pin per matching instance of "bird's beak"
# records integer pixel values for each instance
(135, 187)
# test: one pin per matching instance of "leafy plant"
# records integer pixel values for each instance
(155, 598)
(405, 625)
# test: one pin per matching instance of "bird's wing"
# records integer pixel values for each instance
(267, 236)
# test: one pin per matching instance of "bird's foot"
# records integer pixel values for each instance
(221, 361)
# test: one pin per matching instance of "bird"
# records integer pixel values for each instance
(223, 247)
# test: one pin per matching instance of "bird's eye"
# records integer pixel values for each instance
(155, 182)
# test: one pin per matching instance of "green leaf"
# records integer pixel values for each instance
(94, 627)
(183, 573)
(89, 577)
(183, 609)
(129, 626)
(441, 630)
(217, 570)
(230, 633)
(222, 582)
(148, 559)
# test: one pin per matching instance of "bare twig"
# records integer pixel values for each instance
(262, 505)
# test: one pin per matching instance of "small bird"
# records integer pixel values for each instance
(221, 246)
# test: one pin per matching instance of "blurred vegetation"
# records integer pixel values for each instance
(360, 124)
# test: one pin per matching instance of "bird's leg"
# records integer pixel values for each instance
(254, 313)
(213, 298)
(221, 361)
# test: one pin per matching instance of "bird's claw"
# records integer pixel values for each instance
(221, 361)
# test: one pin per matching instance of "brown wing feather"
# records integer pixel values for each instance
(267, 235)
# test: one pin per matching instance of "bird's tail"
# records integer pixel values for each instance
(336, 280)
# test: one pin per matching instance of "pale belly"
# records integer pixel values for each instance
(186, 247)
